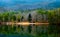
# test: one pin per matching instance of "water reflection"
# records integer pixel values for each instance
(24, 30)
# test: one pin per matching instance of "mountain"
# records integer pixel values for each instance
(55, 4)
(16, 5)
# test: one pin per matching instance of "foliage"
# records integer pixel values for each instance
(9, 16)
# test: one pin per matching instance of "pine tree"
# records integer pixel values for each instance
(29, 18)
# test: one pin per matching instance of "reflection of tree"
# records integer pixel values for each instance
(14, 28)
(5, 28)
(29, 28)
(22, 28)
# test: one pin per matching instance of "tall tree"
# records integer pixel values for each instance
(22, 18)
(29, 18)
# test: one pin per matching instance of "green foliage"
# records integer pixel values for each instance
(6, 16)
(53, 15)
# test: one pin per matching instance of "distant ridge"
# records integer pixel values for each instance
(19, 6)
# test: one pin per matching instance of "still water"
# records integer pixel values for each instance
(31, 30)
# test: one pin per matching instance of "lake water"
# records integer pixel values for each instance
(25, 31)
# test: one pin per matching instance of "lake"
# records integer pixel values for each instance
(31, 30)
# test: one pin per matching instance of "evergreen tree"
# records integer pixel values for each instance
(29, 18)
(22, 18)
